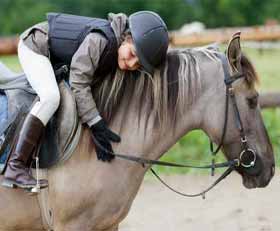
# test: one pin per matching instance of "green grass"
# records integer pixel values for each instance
(194, 147)
(11, 61)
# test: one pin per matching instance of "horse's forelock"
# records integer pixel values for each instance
(249, 71)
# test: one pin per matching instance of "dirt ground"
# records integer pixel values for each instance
(228, 207)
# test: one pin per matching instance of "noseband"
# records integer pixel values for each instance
(247, 157)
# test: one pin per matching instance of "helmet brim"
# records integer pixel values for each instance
(147, 67)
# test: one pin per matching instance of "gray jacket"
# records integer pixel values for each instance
(84, 62)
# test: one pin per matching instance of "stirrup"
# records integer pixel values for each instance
(13, 184)
(35, 190)
(31, 188)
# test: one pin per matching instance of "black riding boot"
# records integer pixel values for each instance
(17, 172)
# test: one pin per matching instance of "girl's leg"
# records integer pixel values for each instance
(41, 77)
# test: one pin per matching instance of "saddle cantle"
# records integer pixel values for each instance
(63, 130)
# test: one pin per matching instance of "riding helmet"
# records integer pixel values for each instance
(150, 37)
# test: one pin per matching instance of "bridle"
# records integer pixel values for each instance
(247, 157)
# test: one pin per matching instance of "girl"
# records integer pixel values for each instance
(90, 47)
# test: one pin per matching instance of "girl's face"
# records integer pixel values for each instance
(127, 58)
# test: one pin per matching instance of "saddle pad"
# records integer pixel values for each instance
(62, 129)
(3, 121)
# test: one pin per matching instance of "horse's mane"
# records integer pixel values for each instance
(163, 95)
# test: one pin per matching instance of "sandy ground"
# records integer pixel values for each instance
(228, 207)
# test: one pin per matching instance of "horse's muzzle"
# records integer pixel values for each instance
(250, 164)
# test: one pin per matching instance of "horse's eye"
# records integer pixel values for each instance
(253, 101)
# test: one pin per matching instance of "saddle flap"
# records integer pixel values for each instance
(67, 116)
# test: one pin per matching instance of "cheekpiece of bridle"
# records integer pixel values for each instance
(246, 159)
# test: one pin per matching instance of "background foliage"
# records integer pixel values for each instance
(17, 15)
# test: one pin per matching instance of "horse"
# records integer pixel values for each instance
(150, 113)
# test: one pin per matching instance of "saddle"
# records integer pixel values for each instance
(62, 133)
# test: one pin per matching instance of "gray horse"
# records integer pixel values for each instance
(150, 114)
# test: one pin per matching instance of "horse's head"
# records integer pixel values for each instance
(246, 137)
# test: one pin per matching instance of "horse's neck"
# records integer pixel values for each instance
(153, 143)
(150, 142)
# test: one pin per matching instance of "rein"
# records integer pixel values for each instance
(231, 164)
(242, 161)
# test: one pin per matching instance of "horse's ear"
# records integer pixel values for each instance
(234, 53)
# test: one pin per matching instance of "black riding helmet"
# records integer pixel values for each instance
(150, 37)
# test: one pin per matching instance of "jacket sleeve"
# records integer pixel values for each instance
(83, 66)
(36, 38)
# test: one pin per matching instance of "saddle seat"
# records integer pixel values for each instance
(62, 132)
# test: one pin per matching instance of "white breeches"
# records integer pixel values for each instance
(40, 75)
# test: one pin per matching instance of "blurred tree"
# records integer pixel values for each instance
(17, 15)
(271, 10)
(174, 12)
(217, 13)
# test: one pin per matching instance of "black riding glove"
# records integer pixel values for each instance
(103, 135)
